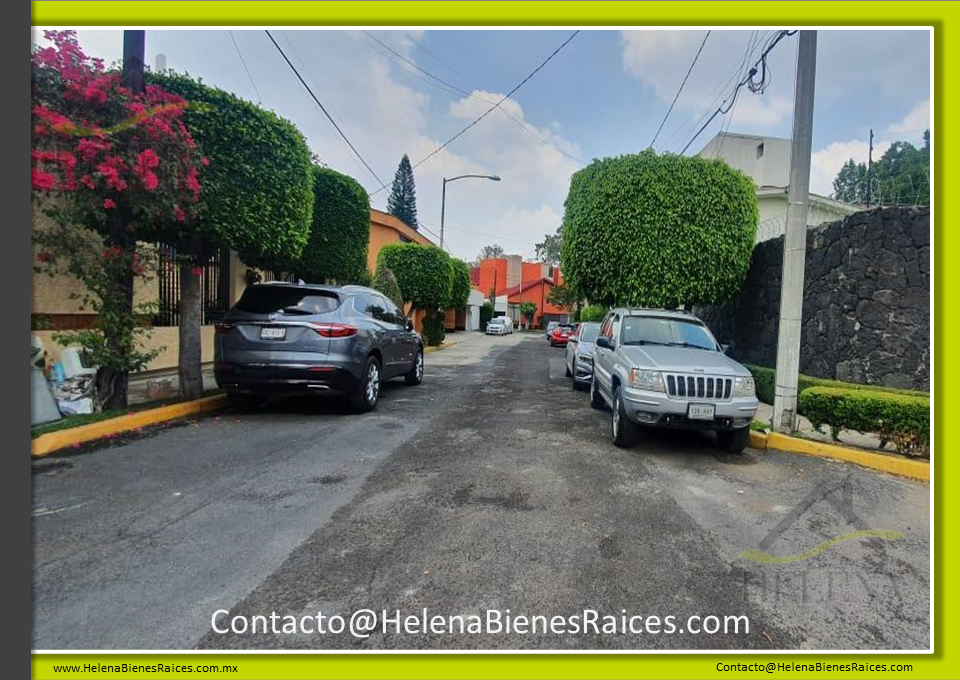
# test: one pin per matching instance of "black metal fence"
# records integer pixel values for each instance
(215, 287)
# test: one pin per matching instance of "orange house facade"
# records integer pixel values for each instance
(384, 229)
(512, 282)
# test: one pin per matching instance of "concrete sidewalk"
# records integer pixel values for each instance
(806, 429)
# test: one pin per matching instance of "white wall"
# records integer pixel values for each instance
(740, 153)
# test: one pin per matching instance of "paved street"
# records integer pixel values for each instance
(492, 485)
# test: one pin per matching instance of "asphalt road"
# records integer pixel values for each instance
(492, 486)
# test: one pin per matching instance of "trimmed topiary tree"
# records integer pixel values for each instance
(257, 198)
(460, 284)
(658, 231)
(423, 273)
(340, 233)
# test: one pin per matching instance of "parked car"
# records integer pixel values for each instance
(580, 353)
(500, 325)
(561, 334)
(665, 369)
(550, 326)
(285, 338)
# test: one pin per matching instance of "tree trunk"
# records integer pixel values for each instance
(191, 376)
(112, 384)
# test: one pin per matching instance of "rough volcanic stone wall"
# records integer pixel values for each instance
(866, 308)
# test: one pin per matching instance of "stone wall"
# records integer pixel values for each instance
(866, 309)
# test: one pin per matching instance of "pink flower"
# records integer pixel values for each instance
(197, 271)
(179, 214)
(42, 181)
(45, 256)
(109, 203)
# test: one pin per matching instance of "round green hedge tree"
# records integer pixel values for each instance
(460, 284)
(658, 231)
(257, 190)
(340, 234)
(423, 273)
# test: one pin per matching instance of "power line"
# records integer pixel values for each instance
(322, 108)
(447, 86)
(495, 106)
(682, 83)
(755, 87)
(244, 63)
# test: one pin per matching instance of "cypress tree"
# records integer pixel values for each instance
(403, 195)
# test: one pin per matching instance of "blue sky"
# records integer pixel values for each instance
(604, 94)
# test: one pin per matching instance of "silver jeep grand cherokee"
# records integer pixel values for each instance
(665, 369)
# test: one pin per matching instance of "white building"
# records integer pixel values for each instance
(766, 160)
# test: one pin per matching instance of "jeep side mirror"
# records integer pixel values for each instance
(605, 342)
(725, 349)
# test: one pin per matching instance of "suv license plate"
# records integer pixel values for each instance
(273, 333)
(701, 411)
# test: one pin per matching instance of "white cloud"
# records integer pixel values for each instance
(912, 126)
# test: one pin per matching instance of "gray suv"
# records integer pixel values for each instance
(284, 338)
(665, 369)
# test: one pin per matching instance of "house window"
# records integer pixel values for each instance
(760, 150)
(214, 287)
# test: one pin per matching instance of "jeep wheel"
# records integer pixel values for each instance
(734, 441)
(623, 431)
(596, 401)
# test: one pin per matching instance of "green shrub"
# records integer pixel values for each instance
(460, 284)
(593, 313)
(486, 313)
(340, 232)
(902, 419)
(679, 228)
(765, 379)
(386, 283)
(434, 328)
(423, 272)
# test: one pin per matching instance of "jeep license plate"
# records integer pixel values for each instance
(701, 411)
(273, 333)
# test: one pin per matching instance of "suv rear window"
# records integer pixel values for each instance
(286, 300)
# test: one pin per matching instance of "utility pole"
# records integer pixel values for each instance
(795, 239)
(133, 56)
(870, 169)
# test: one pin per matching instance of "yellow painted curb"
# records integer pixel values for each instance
(437, 348)
(893, 464)
(52, 441)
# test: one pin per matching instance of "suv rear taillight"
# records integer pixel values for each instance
(334, 330)
(219, 328)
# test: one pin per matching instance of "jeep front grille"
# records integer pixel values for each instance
(699, 386)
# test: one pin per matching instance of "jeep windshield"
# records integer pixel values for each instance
(666, 331)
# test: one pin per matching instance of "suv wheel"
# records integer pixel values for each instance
(734, 441)
(596, 401)
(623, 431)
(367, 392)
(567, 366)
(415, 375)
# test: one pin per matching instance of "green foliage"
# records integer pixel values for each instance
(386, 283)
(765, 380)
(486, 313)
(901, 176)
(434, 328)
(491, 252)
(592, 313)
(549, 249)
(257, 190)
(658, 231)
(899, 418)
(562, 296)
(402, 202)
(423, 273)
(340, 233)
(528, 309)
(460, 284)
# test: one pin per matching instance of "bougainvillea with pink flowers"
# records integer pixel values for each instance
(113, 169)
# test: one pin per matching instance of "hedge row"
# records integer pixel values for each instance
(901, 419)
(765, 379)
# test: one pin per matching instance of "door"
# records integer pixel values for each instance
(373, 306)
(406, 341)
(602, 357)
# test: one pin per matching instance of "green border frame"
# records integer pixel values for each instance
(942, 16)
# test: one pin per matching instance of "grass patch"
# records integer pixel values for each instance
(69, 422)
(759, 426)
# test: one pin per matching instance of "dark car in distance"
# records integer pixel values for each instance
(285, 338)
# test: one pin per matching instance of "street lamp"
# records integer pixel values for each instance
(443, 200)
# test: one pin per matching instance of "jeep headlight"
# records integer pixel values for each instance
(744, 387)
(643, 379)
